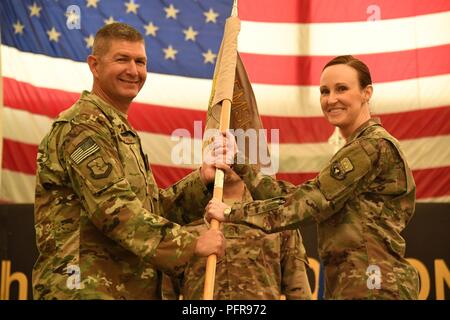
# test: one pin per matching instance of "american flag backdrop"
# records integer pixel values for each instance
(284, 44)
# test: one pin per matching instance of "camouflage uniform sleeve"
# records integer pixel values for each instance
(170, 287)
(294, 281)
(260, 186)
(348, 173)
(97, 176)
(185, 201)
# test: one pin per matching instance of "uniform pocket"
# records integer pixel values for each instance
(133, 163)
(345, 170)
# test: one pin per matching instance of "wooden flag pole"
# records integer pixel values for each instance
(210, 274)
(224, 125)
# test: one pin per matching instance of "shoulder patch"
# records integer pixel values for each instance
(86, 148)
(344, 172)
(340, 168)
(99, 168)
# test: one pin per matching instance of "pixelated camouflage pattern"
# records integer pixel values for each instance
(360, 214)
(103, 213)
(256, 266)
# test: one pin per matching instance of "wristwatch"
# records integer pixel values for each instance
(227, 211)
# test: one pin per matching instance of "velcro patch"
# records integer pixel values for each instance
(86, 148)
(347, 165)
(100, 169)
(339, 169)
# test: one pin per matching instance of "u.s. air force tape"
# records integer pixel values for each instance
(86, 148)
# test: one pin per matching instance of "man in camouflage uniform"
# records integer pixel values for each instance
(256, 266)
(103, 227)
(361, 202)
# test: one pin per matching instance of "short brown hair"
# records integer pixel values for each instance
(361, 68)
(114, 31)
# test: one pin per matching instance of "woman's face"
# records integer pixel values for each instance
(343, 102)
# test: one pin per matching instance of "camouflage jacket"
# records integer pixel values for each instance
(256, 266)
(103, 227)
(361, 201)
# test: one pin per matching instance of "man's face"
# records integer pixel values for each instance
(122, 70)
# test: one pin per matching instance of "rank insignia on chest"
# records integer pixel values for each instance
(99, 168)
(340, 168)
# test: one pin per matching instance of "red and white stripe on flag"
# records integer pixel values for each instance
(284, 45)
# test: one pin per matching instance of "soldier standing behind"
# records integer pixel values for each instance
(256, 265)
(103, 227)
(361, 201)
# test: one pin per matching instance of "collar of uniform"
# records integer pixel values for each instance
(247, 197)
(369, 123)
(115, 116)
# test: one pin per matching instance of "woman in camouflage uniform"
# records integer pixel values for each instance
(361, 200)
